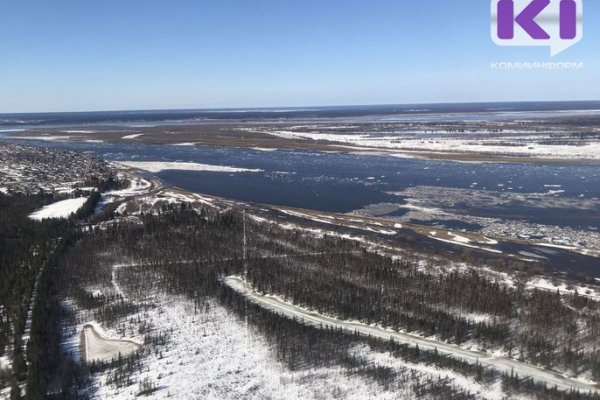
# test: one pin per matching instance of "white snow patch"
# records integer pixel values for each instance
(11, 130)
(461, 239)
(556, 246)
(466, 244)
(60, 209)
(78, 131)
(134, 136)
(158, 166)
(488, 241)
(45, 138)
(528, 254)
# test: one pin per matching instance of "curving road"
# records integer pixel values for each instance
(501, 364)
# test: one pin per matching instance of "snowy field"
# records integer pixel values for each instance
(211, 353)
(60, 209)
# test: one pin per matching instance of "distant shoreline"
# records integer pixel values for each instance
(237, 135)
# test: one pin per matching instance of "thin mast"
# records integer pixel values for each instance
(244, 250)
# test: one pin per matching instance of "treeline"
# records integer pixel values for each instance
(556, 330)
(106, 182)
(28, 281)
(51, 373)
(394, 294)
(301, 346)
(24, 245)
(195, 248)
(88, 207)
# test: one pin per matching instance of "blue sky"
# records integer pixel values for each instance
(67, 55)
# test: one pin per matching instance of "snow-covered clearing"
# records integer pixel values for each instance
(499, 363)
(158, 166)
(60, 209)
(212, 354)
(97, 346)
(564, 287)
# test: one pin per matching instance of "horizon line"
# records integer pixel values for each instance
(295, 108)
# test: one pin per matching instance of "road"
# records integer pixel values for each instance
(500, 364)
